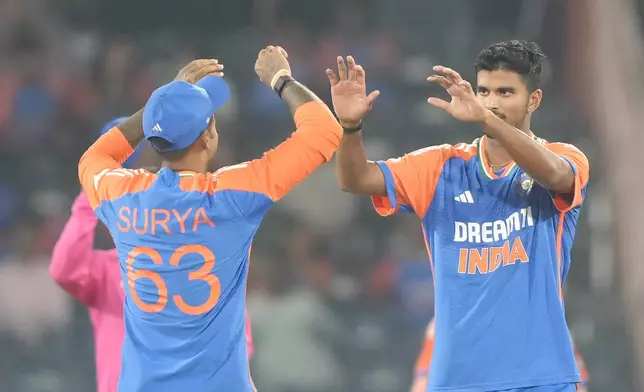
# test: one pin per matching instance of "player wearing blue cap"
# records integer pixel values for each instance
(183, 235)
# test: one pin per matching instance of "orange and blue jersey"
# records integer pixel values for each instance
(183, 241)
(499, 248)
(424, 359)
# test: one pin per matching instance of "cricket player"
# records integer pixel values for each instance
(93, 277)
(499, 217)
(183, 235)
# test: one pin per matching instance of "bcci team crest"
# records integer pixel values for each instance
(525, 184)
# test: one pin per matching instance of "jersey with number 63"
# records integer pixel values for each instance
(183, 241)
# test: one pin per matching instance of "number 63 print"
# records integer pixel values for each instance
(204, 274)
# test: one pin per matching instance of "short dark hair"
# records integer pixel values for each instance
(523, 57)
(160, 144)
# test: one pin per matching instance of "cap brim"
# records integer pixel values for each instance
(217, 90)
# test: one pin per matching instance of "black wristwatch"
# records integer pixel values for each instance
(281, 84)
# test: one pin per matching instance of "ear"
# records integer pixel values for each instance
(535, 100)
(204, 139)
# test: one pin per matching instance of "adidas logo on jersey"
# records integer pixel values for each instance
(465, 197)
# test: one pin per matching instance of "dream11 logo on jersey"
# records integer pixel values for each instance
(487, 259)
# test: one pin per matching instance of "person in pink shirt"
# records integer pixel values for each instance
(93, 277)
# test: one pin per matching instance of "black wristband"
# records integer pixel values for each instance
(355, 129)
(281, 84)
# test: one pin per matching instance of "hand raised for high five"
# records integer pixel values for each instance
(271, 64)
(349, 92)
(464, 105)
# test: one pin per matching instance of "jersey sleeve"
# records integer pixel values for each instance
(266, 180)
(424, 359)
(411, 180)
(101, 174)
(75, 265)
(581, 170)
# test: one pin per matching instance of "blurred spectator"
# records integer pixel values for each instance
(34, 306)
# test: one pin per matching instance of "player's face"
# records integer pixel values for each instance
(506, 95)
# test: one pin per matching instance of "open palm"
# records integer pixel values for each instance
(349, 92)
(464, 105)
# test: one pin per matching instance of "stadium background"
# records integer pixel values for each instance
(339, 297)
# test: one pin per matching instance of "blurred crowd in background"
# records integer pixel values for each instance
(339, 297)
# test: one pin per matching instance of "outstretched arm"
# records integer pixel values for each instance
(355, 173)
(313, 143)
(317, 137)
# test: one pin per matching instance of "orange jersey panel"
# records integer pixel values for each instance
(565, 203)
(416, 175)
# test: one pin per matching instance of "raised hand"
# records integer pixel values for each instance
(198, 69)
(464, 105)
(349, 92)
(271, 64)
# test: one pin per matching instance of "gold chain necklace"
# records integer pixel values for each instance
(499, 166)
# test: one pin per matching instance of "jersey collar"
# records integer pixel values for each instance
(483, 164)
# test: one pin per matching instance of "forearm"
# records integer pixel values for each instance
(544, 166)
(356, 174)
(352, 162)
(132, 128)
(105, 155)
(296, 94)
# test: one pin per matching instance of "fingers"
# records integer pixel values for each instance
(333, 79)
(342, 69)
(198, 69)
(372, 97)
(197, 64)
(443, 81)
(439, 103)
(351, 70)
(282, 51)
(211, 68)
(352, 74)
(467, 85)
(361, 76)
(449, 73)
(271, 49)
(450, 82)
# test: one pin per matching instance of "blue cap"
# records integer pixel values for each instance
(137, 152)
(179, 112)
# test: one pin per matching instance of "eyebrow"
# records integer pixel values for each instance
(503, 88)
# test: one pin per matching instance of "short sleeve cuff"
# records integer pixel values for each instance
(386, 205)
